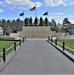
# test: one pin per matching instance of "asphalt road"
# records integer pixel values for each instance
(39, 57)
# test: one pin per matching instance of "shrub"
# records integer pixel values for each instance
(7, 33)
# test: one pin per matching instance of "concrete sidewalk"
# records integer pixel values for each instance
(39, 57)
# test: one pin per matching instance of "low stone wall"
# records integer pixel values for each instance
(65, 37)
(6, 38)
(14, 34)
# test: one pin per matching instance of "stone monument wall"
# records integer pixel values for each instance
(36, 32)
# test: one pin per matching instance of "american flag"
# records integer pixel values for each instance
(33, 8)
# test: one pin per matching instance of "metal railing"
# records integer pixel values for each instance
(61, 44)
(13, 46)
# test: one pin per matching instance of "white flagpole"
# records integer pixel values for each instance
(48, 17)
(23, 20)
(35, 11)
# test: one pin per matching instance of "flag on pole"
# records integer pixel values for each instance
(46, 13)
(33, 8)
(21, 14)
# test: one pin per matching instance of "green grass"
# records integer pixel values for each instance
(5, 44)
(1, 55)
(11, 49)
(68, 43)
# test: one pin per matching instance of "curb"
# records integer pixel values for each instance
(10, 57)
(66, 53)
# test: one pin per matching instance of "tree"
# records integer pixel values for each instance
(4, 26)
(53, 25)
(41, 23)
(49, 23)
(0, 22)
(8, 22)
(14, 25)
(36, 21)
(46, 22)
(66, 21)
(26, 21)
(53, 22)
(9, 29)
(66, 25)
(18, 24)
(30, 20)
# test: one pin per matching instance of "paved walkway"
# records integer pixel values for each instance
(39, 57)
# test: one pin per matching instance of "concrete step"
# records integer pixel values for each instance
(36, 32)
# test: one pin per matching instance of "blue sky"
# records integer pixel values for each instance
(57, 9)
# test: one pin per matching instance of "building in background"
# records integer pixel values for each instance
(1, 31)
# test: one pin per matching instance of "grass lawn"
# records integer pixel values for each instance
(5, 44)
(69, 43)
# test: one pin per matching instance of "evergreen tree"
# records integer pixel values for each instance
(53, 25)
(14, 25)
(46, 22)
(26, 21)
(30, 20)
(18, 25)
(36, 21)
(41, 23)
(66, 21)
(53, 22)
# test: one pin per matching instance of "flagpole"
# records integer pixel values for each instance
(35, 10)
(48, 16)
(23, 20)
(22, 14)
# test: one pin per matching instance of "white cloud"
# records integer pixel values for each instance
(71, 16)
(59, 18)
(1, 3)
(38, 4)
(13, 7)
(55, 2)
(71, 3)
(1, 10)
(22, 3)
(60, 13)
(23, 8)
(57, 15)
